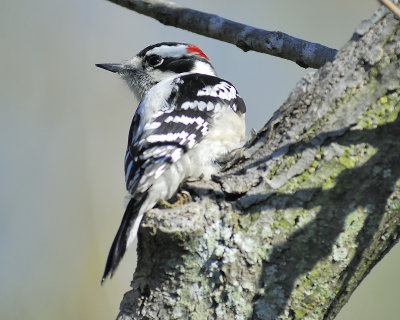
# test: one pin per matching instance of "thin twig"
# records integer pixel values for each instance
(392, 7)
(304, 53)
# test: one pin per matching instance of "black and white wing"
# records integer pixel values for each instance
(185, 120)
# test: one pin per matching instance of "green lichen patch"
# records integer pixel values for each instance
(274, 170)
(329, 183)
(348, 159)
(384, 110)
(254, 216)
(309, 178)
(310, 296)
(283, 164)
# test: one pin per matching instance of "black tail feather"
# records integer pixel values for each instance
(120, 242)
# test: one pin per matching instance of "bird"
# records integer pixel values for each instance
(187, 119)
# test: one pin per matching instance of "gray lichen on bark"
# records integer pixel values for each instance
(291, 230)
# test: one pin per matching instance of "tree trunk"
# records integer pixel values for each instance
(291, 230)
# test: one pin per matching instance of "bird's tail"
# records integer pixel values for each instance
(126, 234)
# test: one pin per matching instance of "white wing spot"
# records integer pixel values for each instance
(204, 130)
(187, 105)
(185, 120)
(167, 137)
(221, 90)
(202, 105)
(192, 140)
(152, 125)
(194, 104)
(210, 106)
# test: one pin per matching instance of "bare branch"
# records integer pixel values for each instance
(391, 6)
(305, 54)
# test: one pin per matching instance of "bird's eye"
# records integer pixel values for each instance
(154, 60)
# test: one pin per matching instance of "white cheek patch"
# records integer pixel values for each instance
(158, 75)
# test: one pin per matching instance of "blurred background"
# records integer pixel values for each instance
(63, 132)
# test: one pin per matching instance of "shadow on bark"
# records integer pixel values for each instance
(314, 242)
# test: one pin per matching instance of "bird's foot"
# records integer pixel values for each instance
(180, 199)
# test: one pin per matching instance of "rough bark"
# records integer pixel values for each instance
(291, 230)
(306, 54)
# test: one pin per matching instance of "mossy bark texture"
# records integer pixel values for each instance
(292, 229)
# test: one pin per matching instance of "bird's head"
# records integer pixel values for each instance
(159, 62)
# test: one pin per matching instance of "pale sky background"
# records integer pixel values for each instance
(63, 132)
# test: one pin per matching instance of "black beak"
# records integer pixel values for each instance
(113, 67)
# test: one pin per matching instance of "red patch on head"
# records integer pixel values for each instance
(196, 51)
